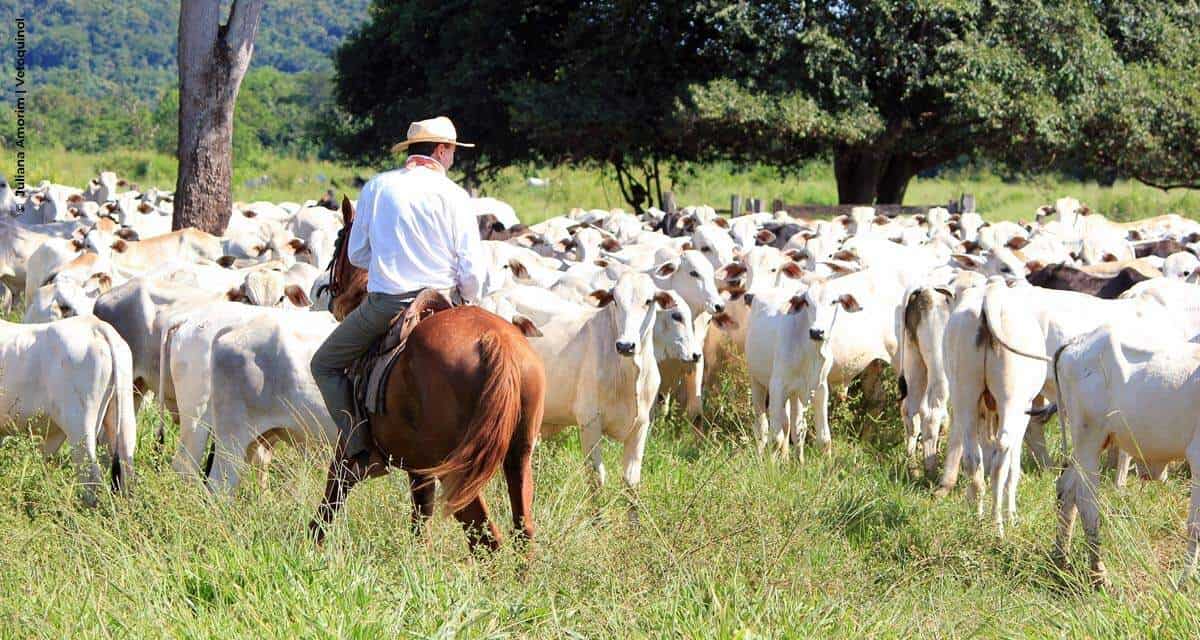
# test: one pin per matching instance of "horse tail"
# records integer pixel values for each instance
(473, 462)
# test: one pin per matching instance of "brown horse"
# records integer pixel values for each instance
(464, 396)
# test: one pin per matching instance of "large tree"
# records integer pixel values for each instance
(885, 89)
(213, 58)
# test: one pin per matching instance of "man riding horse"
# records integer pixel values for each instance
(414, 229)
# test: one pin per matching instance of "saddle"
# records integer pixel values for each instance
(369, 374)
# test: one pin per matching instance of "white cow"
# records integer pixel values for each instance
(1125, 387)
(73, 379)
(263, 391)
(606, 379)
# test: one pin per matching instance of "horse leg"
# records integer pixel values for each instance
(518, 475)
(422, 489)
(337, 485)
(478, 526)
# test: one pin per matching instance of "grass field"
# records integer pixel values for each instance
(299, 180)
(729, 545)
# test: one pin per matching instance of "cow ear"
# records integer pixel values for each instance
(226, 261)
(792, 270)
(920, 218)
(1085, 210)
(845, 255)
(687, 246)
(122, 183)
(735, 292)
(721, 222)
(126, 233)
(601, 262)
(1034, 265)
(145, 207)
(796, 304)
(971, 246)
(796, 254)
(602, 297)
(1134, 234)
(103, 282)
(120, 246)
(297, 295)
(880, 220)
(497, 226)
(564, 245)
(967, 261)
(526, 327)
(610, 244)
(688, 222)
(764, 237)
(748, 298)
(518, 268)
(78, 244)
(1108, 257)
(236, 294)
(298, 245)
(258, 250)
(664, 300)
(1016, 243)
(666, 269)
(75, 198)
(730, 271)
(249, 213)
(849, 303)
(724, 321)
(946, 291)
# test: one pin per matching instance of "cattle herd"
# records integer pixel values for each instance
(1006, 323)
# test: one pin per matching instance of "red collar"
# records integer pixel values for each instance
(426, 162)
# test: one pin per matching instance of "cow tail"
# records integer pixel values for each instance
(123, 440)
(472, 463)
(987, 332)
(165, 381)
(1058, 400)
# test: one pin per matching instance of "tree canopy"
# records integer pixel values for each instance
(884, 89)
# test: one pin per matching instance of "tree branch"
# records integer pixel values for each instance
(1167, 186)
(242, 27)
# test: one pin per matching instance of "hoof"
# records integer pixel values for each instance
(1099, 576)
(941, 492)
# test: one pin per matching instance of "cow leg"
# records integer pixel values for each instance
(759, 401)
(1088, 463)
(871, 384)
(1006, 462)
(589, 438)
(692, 392)
(258, 456)
(83, 455)
(1124, 460)
(53, 441)
(916, 381)
(422, 489)
(1193, 522)
(338, 483)
(478, 526)
(933, 416)
(799, 426)
(635, 448)
(1035, 437)
(821, 417)
(778, 419)
(972, 461)
(1066, 490)
(518, 475)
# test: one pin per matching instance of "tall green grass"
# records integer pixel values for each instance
(591, 187)
(728, 544)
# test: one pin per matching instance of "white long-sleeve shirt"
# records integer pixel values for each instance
(414, 228)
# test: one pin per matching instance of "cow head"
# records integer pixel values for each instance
(693, 278)
(674, 338)
(715, 243)
(820, 307)
(632, 302)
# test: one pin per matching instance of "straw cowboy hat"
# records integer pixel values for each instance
(438, 129)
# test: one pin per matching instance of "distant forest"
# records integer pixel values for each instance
(103, 74)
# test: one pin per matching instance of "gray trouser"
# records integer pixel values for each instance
(352, 338)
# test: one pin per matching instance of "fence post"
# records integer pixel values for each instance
(735, 205)
(668, 203)
(968, 203)
(777, 205)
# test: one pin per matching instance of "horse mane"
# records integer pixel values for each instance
(347, 283)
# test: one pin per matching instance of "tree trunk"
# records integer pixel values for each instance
(894, 181)
(857, 174)
(213, 58)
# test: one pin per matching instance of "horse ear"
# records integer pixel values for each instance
(297, 295)
(796, 304)
(664, 300)
(526, 327)
(849, 303)
(602, 297)
(226, 261)
(347, 210)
